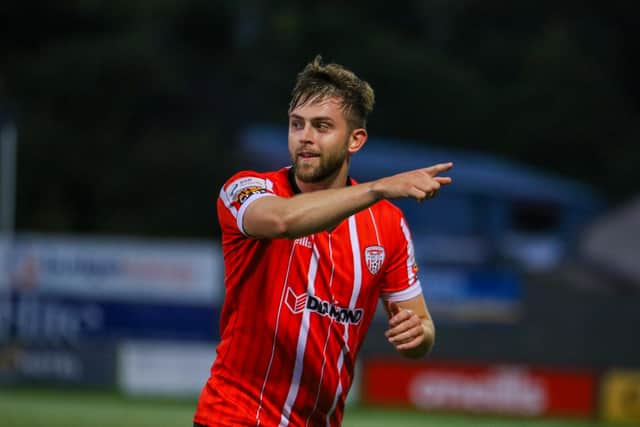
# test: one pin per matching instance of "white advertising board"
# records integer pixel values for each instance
(118, 269)
(165, 368)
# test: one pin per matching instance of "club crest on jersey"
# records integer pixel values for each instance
(298, 303)
(374, 257)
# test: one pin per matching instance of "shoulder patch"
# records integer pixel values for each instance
(243, 188)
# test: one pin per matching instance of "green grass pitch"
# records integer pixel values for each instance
(47, 407)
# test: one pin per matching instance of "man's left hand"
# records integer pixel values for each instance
(406, 330)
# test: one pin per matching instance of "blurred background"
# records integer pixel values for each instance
(119, 122)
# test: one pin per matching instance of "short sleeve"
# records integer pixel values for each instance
(401, 275)
(238, 193)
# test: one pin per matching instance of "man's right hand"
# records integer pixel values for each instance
(419, 184)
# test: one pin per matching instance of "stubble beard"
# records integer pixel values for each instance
(329, 165)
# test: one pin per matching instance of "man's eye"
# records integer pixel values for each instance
(296, 125)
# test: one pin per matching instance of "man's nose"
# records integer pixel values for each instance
(306, 134)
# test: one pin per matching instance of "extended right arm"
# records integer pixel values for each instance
(308, 213)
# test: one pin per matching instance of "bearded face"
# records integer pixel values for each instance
(318, 140)
(312, 165)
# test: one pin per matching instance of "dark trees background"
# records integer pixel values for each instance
(128, 112)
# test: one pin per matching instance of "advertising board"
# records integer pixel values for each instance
(620, 396)
(154, 367)
(497, 389)
(87, 363)
(54, 320)
(117, 269)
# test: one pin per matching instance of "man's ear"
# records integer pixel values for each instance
(357, 139)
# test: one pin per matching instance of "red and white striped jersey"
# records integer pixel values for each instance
(296, 311)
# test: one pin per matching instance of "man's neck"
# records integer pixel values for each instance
(339, 180)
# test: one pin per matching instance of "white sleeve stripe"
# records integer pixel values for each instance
(243, 208)
(403, 295)
(227, 203)
(411, 276)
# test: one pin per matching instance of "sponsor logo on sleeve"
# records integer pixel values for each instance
(374, 257)
(242, 189)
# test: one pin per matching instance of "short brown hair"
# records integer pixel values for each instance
(319, 81)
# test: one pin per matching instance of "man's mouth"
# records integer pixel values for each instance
(305, 155)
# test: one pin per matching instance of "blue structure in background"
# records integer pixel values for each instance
(476, 239)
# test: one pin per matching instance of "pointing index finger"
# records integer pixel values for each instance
(440, 167)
